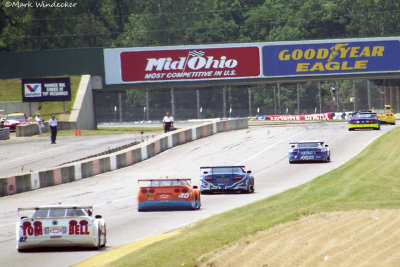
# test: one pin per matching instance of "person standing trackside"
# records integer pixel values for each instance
(53, 129)
(39, 121)
(168, 122)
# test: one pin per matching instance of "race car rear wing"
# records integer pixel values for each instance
(211, 167)
(165, 179)
(56, 207)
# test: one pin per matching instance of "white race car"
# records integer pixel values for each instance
(60, 226)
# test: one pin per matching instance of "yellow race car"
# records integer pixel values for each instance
(385, 115)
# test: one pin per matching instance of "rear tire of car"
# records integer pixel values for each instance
(99, 239)
(105, 236)
(198, 203)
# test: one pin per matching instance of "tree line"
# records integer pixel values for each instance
(138, 23)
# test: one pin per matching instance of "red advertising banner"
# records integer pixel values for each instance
(190, 64)
(303, 117)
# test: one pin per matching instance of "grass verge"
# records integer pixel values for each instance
(110, 130)
(371, 180)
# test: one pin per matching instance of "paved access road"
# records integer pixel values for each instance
(262, 149)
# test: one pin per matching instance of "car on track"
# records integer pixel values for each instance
(167, 194)
(12, 120)
(226, 179)
(385, 115)
(60, 226)
(309, 151)
(364, 120)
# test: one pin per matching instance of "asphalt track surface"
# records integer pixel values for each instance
(262, 149)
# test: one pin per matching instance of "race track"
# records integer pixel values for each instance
(113, 195)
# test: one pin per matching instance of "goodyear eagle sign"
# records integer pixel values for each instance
(313, 58)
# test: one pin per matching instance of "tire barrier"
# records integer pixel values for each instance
(120, 159)
(4, 133)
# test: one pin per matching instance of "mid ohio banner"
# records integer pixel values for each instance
(141, 65)
(331, 57)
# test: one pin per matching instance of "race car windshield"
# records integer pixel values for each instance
(15, 117)
(308, 145)
(382, 111)
(226, 170)
(50, 213)
(365, 115)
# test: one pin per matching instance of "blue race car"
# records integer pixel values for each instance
(226, 179)
(307, 151)
(364, 120)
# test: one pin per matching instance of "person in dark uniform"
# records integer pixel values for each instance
(168, 122)
(53, 129)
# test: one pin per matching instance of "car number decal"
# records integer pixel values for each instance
(184, 195)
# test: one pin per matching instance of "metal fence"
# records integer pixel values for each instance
(244, 100)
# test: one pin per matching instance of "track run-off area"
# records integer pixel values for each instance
(263, 149)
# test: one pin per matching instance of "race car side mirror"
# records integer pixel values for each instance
(195, 187)
(248, 171)
(23, 217)
(292, 145)
(205, 172)
(326, 145)
(98, 216)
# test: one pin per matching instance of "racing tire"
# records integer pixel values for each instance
(328, 159)
(198, 203)
(248, 189)
(252, 188)
(98, 239)
(105, 236)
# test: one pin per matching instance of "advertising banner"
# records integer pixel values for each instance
(314, 58)
(302, 117)
(46, 89)
(181, 64)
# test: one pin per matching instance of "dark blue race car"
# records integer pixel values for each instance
(308, 151)
(226, 179)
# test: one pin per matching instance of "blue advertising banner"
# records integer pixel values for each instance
(330, 58)
(46, 89)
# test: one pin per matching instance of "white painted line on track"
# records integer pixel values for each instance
(269, 147)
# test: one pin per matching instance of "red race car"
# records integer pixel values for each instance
(14, 119)
(167, 194)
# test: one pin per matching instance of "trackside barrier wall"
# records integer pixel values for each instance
(123, 158)
(33, 129)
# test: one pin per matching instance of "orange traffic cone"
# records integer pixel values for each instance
(79, 132)
(76, 132)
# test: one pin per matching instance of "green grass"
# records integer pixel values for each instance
(110, 130)
(371, 180)
(10, 90)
